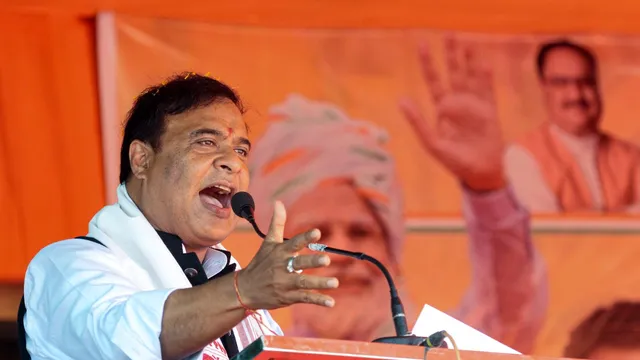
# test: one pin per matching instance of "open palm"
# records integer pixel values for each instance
(466, 137)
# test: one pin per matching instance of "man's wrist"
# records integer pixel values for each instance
(486, 185)
(493, 207)
(241, 295)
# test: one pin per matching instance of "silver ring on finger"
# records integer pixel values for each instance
(290, 267)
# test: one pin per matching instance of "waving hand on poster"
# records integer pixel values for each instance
(465, 136)
(508, 298)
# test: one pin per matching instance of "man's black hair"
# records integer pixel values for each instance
(546, 48)
(146, 121)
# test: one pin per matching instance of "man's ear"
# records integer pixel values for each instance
(140, 157)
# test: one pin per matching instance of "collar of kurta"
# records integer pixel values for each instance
(217, 262)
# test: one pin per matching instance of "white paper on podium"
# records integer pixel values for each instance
(432, 320)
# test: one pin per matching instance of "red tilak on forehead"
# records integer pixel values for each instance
(229, 131)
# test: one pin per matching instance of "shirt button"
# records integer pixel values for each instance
(190, 272)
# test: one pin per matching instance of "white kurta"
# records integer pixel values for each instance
(87, 301)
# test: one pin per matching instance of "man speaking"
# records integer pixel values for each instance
(152, 280)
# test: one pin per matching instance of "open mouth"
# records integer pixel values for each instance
(218, 195)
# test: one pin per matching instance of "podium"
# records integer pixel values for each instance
(289, 348)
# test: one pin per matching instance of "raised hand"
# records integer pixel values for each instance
(267, 284)
(466, 137)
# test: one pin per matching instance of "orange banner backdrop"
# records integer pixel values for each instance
(364, 73)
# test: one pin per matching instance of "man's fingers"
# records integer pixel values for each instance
(451, 53)
(479, 77)
(311, 282)
(431, 77)
(467, 111)
(425, 132)
(457, 74)
(312, 261)
(301, 241)
(485, 84)
(471, 61)
(311, 297)
(278, 219)
(482, 85)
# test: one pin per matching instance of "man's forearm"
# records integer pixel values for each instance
(507, 267)
(195, 317)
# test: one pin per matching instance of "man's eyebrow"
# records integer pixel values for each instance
(206, 131)
(217, 133)
(244, 141)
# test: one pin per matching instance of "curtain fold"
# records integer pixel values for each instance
(50, 150)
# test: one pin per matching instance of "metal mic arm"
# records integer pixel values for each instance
(403, 336)
(243, 206)
(397, 309)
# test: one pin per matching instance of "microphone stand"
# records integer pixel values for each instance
(403, 336)
(243, 206)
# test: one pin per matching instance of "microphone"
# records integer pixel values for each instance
(243, 206)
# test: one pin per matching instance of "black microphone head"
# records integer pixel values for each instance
(242, 204)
